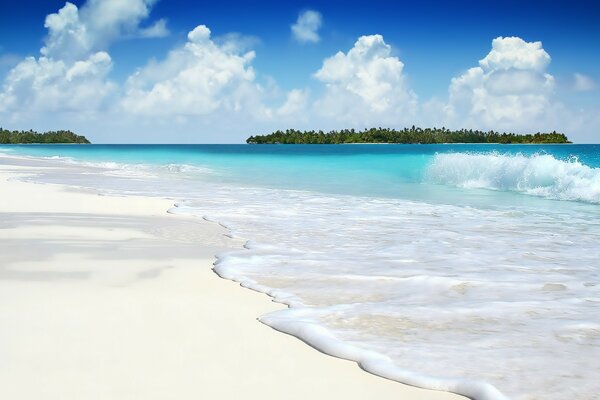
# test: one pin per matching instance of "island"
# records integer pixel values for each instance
(413, 135)
(30, 137)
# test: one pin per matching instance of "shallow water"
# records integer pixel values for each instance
(470, 268)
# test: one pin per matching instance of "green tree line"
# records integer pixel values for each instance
(30, 136)
(406, 135)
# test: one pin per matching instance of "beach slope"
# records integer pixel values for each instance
(112, 298)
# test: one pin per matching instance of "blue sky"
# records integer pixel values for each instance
(433, 42)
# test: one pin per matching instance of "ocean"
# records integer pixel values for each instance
(468, 268)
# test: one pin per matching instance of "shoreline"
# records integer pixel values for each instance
(98, 308)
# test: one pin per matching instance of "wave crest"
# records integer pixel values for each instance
(537, 175)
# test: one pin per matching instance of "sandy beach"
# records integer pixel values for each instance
(112, 298)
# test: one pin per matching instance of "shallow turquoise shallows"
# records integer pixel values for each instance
(402, 171)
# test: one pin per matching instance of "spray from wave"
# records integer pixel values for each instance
(536, 175)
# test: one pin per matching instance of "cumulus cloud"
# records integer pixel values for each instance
(71, 73)
(44, 84)
(514, 53)
(197, 79)
(510, 89)
(157, 30)
(67, 36)
(306, 28)
(235, 42)
(74, 33)
(295, 104)
(583, 83)
(365, 85)
(208, 85)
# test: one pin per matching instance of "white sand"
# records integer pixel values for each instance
(111, 298)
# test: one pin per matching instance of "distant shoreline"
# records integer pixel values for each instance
(423, 144)
(413, 135)
(33, 137)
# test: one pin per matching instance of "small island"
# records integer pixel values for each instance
(31, 137)
(413, 135)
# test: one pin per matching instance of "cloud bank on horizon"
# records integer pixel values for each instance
(209, 86)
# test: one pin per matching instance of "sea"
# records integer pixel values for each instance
(468, 268)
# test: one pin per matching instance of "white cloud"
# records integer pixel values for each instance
(514, 53)
(510, 89)
(47, 85)
(365, 85)
(157, 30)
(295, 104)
(583, 83)
(306, 28)
(67, 36)
(74, 33)
(209, 88)
(235, 42)
(199, 78)
(71, 73)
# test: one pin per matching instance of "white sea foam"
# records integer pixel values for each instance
(487, 303)
(538, 175)
(131, 170)
(491, 303)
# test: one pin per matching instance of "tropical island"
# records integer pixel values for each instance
(30, 137)
(413, 135)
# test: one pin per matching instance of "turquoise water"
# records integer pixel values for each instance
(468, 268)
(399, 171)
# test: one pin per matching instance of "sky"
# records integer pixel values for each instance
(172, 71)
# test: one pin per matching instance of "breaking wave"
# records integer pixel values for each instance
(538, 175)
